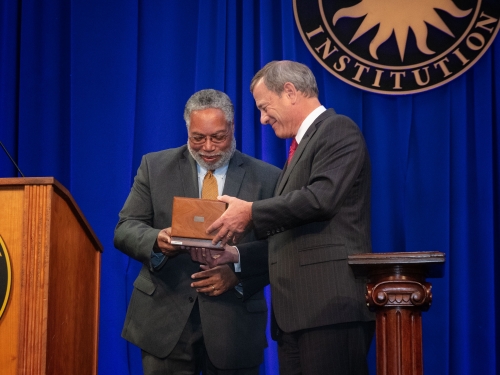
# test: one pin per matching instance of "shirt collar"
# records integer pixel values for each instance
(308, 122)
(218, 172)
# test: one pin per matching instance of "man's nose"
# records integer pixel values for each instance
(208, 145)
(264, 119)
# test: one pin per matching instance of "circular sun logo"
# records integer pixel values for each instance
(395, 46)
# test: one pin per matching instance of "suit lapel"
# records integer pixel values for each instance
(300, 150)
(234, 175)
(189, 175)
(280, 178)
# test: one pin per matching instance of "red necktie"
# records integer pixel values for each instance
(293, 147)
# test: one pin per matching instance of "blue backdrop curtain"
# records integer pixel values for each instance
(88, 86)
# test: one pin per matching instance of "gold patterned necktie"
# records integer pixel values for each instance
(209, 190)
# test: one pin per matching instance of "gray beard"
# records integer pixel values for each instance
(225, 157)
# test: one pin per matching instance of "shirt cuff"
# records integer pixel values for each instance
(156, 259)
(237, 266)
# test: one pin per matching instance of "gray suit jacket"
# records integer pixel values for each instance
(320, 214)
(233, 325)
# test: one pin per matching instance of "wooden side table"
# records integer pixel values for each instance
(398, 292)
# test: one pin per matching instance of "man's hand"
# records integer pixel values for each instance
(213, 257)
(234, 222)
(163, 243)
(214, 281)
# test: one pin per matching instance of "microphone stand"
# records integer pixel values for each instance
(10, 157)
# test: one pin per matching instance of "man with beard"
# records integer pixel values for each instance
(184, 319)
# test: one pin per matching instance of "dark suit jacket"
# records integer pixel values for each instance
(320, 214)
(233, 325)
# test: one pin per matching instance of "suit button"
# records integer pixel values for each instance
(268, 233)
(273, 231)
(191, 299)
(282, 229)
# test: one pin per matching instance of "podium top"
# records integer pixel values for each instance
(62, 192)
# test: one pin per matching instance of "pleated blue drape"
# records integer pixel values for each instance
(88, 87)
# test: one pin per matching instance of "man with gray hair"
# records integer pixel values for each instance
(320, 215)
(185, 316)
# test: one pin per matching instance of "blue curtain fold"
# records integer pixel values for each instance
(88, 87)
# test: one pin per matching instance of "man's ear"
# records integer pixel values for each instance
(290, 91)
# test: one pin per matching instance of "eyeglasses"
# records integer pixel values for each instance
(216, 138)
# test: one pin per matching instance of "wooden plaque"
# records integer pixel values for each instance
(190, 219)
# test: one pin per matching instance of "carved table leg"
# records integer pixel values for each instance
(398, 301)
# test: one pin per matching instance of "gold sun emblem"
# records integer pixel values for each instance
(399, 17)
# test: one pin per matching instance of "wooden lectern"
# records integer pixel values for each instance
(398, 293)
(50, 323)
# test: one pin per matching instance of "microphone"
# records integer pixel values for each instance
(10, 157)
